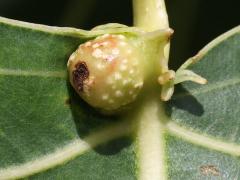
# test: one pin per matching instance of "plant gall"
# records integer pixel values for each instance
(106, 72)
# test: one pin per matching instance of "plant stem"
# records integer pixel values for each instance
(151, 15)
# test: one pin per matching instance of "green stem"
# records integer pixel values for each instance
(151, 15)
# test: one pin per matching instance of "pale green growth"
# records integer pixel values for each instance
(117, 66)
(121, 60)
(170, 78)
(187, 75)
(160, 35)
(107, 71)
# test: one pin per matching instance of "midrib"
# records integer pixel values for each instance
(150, 143)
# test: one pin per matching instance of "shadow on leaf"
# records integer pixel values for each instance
(87, 120)
(114, 146)
(183, 100)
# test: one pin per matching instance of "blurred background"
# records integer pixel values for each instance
(196, 22)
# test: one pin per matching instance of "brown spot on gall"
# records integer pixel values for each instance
(80, 74)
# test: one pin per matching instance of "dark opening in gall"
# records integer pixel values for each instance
(80, 74)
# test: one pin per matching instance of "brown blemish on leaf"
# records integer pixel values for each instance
(209, 170)
(80, 74)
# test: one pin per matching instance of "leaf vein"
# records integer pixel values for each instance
(17, 72)
(203, 140)
(67, 153)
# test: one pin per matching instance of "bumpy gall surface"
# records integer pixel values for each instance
(107, 71)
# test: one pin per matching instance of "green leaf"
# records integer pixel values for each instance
(48, 132)
(43, 123)
(208, 116)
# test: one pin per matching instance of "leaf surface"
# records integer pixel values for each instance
(48, 132)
